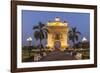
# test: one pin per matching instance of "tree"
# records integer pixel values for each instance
(74, 35)
(40, 33)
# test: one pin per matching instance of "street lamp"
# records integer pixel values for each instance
(85, 45)
(29, 40)
(84, 42)
(84, 39)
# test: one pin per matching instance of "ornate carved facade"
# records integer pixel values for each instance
(57, 36)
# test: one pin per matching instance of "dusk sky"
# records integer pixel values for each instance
(31, 18)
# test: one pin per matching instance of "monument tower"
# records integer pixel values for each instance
(58, 34)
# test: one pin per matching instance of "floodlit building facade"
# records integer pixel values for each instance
(58, 34)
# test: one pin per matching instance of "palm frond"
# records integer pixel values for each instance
(74, 34)
(78, 32)
(45, 34)
(76, 37)
(41, 35)
(36, 35)
(45, 30)
(35, 27)
(41, 24)
(74, 29)
(69, 31)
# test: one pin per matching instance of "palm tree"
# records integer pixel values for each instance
(74, 35)
(40, 33)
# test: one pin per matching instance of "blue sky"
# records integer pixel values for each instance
(31, 18)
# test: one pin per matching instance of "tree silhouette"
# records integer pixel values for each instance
(74, 35)
(40, 33)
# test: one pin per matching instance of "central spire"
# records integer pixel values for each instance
(57, 19)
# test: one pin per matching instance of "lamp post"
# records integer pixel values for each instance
(84, 42)
(29, 40)
(84, 39)
(85, 45)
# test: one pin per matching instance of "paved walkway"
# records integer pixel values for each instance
(58, 55)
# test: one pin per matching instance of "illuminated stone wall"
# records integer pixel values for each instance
(58, 31)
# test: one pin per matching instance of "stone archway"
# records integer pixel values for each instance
(57, 45)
